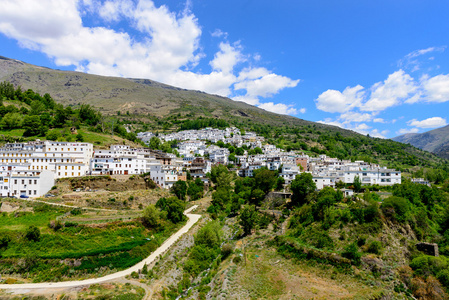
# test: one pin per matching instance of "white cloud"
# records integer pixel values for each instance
(410, 60)
(433, 122)
(436, 89)
(398, 86)
(335, 101)
(279, 108)
(378, 120)
(226, 59)
(113, 10)
(218, 33)
(267, 85)
(329, 121)
(356, 117)
(376, 133)
(302, 110)
(407, 130)
(165, 48)
(247, 99)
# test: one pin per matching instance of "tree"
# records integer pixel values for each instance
(280, 181)
(155, 143)
(151, 216)
(216, 171)
(33, 233)
(265, 179)
(11, 120)
(257, 150)
(32, 126)
(179, 188)
(248, 218)
(195, 189)
(357, 184)
(174, 208)
(302, 186)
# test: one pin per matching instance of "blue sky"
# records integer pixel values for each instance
(376, 67)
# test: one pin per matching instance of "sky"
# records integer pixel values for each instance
(376, 67)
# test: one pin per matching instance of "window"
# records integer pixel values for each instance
(30, 181)
(15, 181)
(23, 181)
(35, 181)
(35, 192)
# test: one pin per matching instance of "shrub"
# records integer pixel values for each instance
(361, 241)
(396, 208)
(352, 252)
(226, 250)
(33, 233)
(374, 247)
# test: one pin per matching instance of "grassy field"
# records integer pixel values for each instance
(68, 249)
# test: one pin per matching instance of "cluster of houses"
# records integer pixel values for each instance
(30, 169)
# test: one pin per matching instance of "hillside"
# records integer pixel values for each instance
(138, 96)
(435, 141)
(142, 104)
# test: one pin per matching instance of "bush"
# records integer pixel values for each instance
(33, 233)
(396, 208)
(374, 247)
(226, 250)
(352, 252)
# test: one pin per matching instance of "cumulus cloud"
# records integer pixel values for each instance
(164, 46)
(398, 86)
(302, 110)
(265, 85)
(279, 108)
(335, 101)
(356, 117)
(407, 130)
(436, 89)
(433, 122)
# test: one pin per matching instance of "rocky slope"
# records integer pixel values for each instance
(435, 141)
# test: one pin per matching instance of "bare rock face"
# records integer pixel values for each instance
(428, 248)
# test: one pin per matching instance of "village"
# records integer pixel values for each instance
(31, 169)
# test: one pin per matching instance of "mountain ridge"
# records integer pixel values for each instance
(139, 96)
(435, 141)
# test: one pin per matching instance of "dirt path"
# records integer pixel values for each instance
(193, 218)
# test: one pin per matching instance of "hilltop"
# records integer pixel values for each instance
(137, 96)
(435, 141)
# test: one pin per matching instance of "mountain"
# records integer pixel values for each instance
(146, 104)
(137, 96)
(435, 141)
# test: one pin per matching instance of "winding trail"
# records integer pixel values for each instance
(193, 218)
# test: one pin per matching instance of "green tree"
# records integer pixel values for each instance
(280, 181)
(33, 233)
(302, 186)
(155, 143)
(11, 121)
(248, 218)
(357, 184)
(174, 208)
(32, 126)
(179, 188)
(151, 216)
(264, 179)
